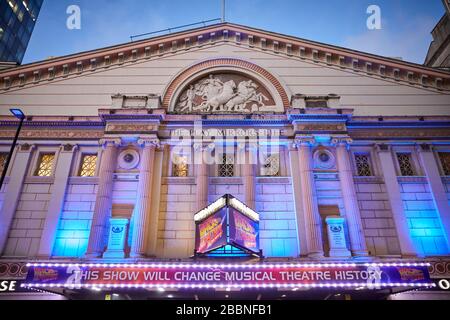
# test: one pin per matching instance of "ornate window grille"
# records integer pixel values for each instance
(271, 165)
(363, 166)
(45, 165)
(226, 168)
(445, 162)
(3, 157)
(405, 164)
(180, 167)
(88, 165)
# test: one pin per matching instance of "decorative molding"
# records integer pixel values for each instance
(439, 269)
(375, 179)
(178, 180)
(26, 147)
(223, 62)
(225, 180)
(83, 180)
(68, 148)
(383, 147)
(343, 140)
(149, 142)
(13, 270)
(273, 180)
(34, 134)
(386, 133)
(225, 92)
(317, 127)
(424, 147)
(415, 179)
(151, 101)
(106, 141)
(307, 141)
(294, 48)
(131, 127)
(39, 180)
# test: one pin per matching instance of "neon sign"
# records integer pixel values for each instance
(228, 275)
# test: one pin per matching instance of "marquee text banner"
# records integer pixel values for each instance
(224, 275)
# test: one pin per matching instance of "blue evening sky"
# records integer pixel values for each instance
(406, 24)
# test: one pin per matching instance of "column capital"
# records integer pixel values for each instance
(304, 141)
(115, 142)
(383, 147)
(341, 141)
(149, 142)
(25, 147)
(68, 148)
(424, 147)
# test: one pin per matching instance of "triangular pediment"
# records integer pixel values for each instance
(255, 39)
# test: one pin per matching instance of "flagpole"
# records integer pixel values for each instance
(223, 11)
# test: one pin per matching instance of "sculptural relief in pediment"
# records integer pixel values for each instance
(225, 93)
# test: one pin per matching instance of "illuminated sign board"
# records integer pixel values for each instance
(227, 221)
(244, 232)
(211, 233)
(161, 275)
(11, 286)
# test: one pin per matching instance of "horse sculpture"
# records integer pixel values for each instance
(217, 102)
(246, 93)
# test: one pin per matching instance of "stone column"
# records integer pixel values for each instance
(18, 172)
(297, 193)
(438, 193)
(395, 200)
(201, 176)
(56, 204)
(248, 176)
(313, 223)
(358, 245)
(142, 210)
(103, 202)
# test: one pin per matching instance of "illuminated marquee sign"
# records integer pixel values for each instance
(160, 275)
(227, 221)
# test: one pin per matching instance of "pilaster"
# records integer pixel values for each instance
(56, 204)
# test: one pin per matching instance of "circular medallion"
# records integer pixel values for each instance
(324, 159)
(128, 159)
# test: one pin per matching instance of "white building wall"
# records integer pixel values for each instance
(376, 215)
(278, 227)
(423, 219)
(28, 221)
(176, 233)
(75, 222)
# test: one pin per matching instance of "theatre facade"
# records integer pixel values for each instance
(225, 160)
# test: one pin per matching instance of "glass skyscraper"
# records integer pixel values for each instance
(17, 20)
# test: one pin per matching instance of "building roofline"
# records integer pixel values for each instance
(331, 55)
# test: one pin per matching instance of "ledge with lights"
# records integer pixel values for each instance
(222, 276)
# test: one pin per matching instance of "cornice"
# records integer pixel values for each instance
(397, 124)
(55, 123)
(295, 48)
(319, 117)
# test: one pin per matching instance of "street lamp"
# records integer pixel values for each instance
(21, 116)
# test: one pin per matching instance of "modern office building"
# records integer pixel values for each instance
(17, 20)
(226, 160)
(438, 55)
